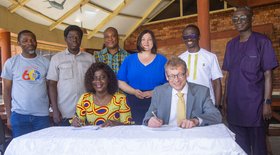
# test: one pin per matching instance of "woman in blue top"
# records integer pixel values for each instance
(140, 73)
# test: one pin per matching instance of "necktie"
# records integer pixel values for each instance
(181, 108)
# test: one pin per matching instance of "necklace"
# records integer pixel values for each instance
(102, 102)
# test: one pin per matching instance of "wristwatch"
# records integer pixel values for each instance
(267, 101)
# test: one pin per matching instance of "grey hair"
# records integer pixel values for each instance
(175, 62)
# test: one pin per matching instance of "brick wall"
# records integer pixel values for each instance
(168, 34)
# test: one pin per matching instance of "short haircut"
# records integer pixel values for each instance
(175, 62)
(139, 40)
(245, 8)
(113, 29)
(194, 27)
(112, 87)
(73, 28)
(24, 31)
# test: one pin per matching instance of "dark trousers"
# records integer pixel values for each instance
(138, 107)
(250, 139)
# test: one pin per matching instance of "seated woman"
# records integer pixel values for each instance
(101, 105)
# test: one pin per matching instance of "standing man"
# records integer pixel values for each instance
(25, 88)
(203, 66)
(112, 54)
(249, 61)
(66, 75)
(179, 103)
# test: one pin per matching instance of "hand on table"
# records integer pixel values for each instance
(189, 123)
(155, 122)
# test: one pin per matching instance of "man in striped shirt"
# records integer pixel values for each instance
(112, 54)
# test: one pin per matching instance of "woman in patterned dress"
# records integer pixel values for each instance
(102, 104)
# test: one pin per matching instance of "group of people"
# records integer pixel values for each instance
(114, 87)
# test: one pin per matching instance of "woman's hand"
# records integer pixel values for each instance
(111, 123)
(76, 122)
(148, 94)
(139, 94)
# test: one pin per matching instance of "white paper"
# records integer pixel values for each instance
(90, 127)
(163, 128)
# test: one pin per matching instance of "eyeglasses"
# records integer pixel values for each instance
(242, 18)
(179, 76)
(190, 36)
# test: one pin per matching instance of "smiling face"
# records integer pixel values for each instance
(176, 76)
(147, 42)
(100, 81)
(28, 43)
(242, 20)
(73, 41)
(111, 39)
(191, 39)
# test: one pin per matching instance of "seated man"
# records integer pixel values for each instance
(168, 104)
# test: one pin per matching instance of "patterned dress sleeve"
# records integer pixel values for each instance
(83, 102)
(125, 114)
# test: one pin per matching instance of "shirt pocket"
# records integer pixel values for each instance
(250, 64)
(66, 71)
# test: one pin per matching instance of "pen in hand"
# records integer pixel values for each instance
(79, 121)
(155, 122)
(154, 115)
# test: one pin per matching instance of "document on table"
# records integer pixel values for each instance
(163, 128)
(89, 127)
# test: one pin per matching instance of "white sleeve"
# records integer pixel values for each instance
(215, 69)
(53, 70)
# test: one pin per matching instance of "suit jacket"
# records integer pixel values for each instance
(198, 104)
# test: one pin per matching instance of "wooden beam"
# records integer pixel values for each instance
(170, 2)
(254, 3)
(17, 5)
(110, 11)
(146, 14)
(14, 1)
(108, 18)
(237, 3)
(181, 8)
(67, 14)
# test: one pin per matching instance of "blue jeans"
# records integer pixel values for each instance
(23, 124)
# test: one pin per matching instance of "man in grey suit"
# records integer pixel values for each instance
(197, 111)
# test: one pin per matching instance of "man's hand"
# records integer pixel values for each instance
(267, 111)
(9, 123)
(155, 122)
(189, 123)
(56, 117)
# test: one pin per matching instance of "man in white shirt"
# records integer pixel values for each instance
(198, 109)
(202, 65)
(66, 76)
